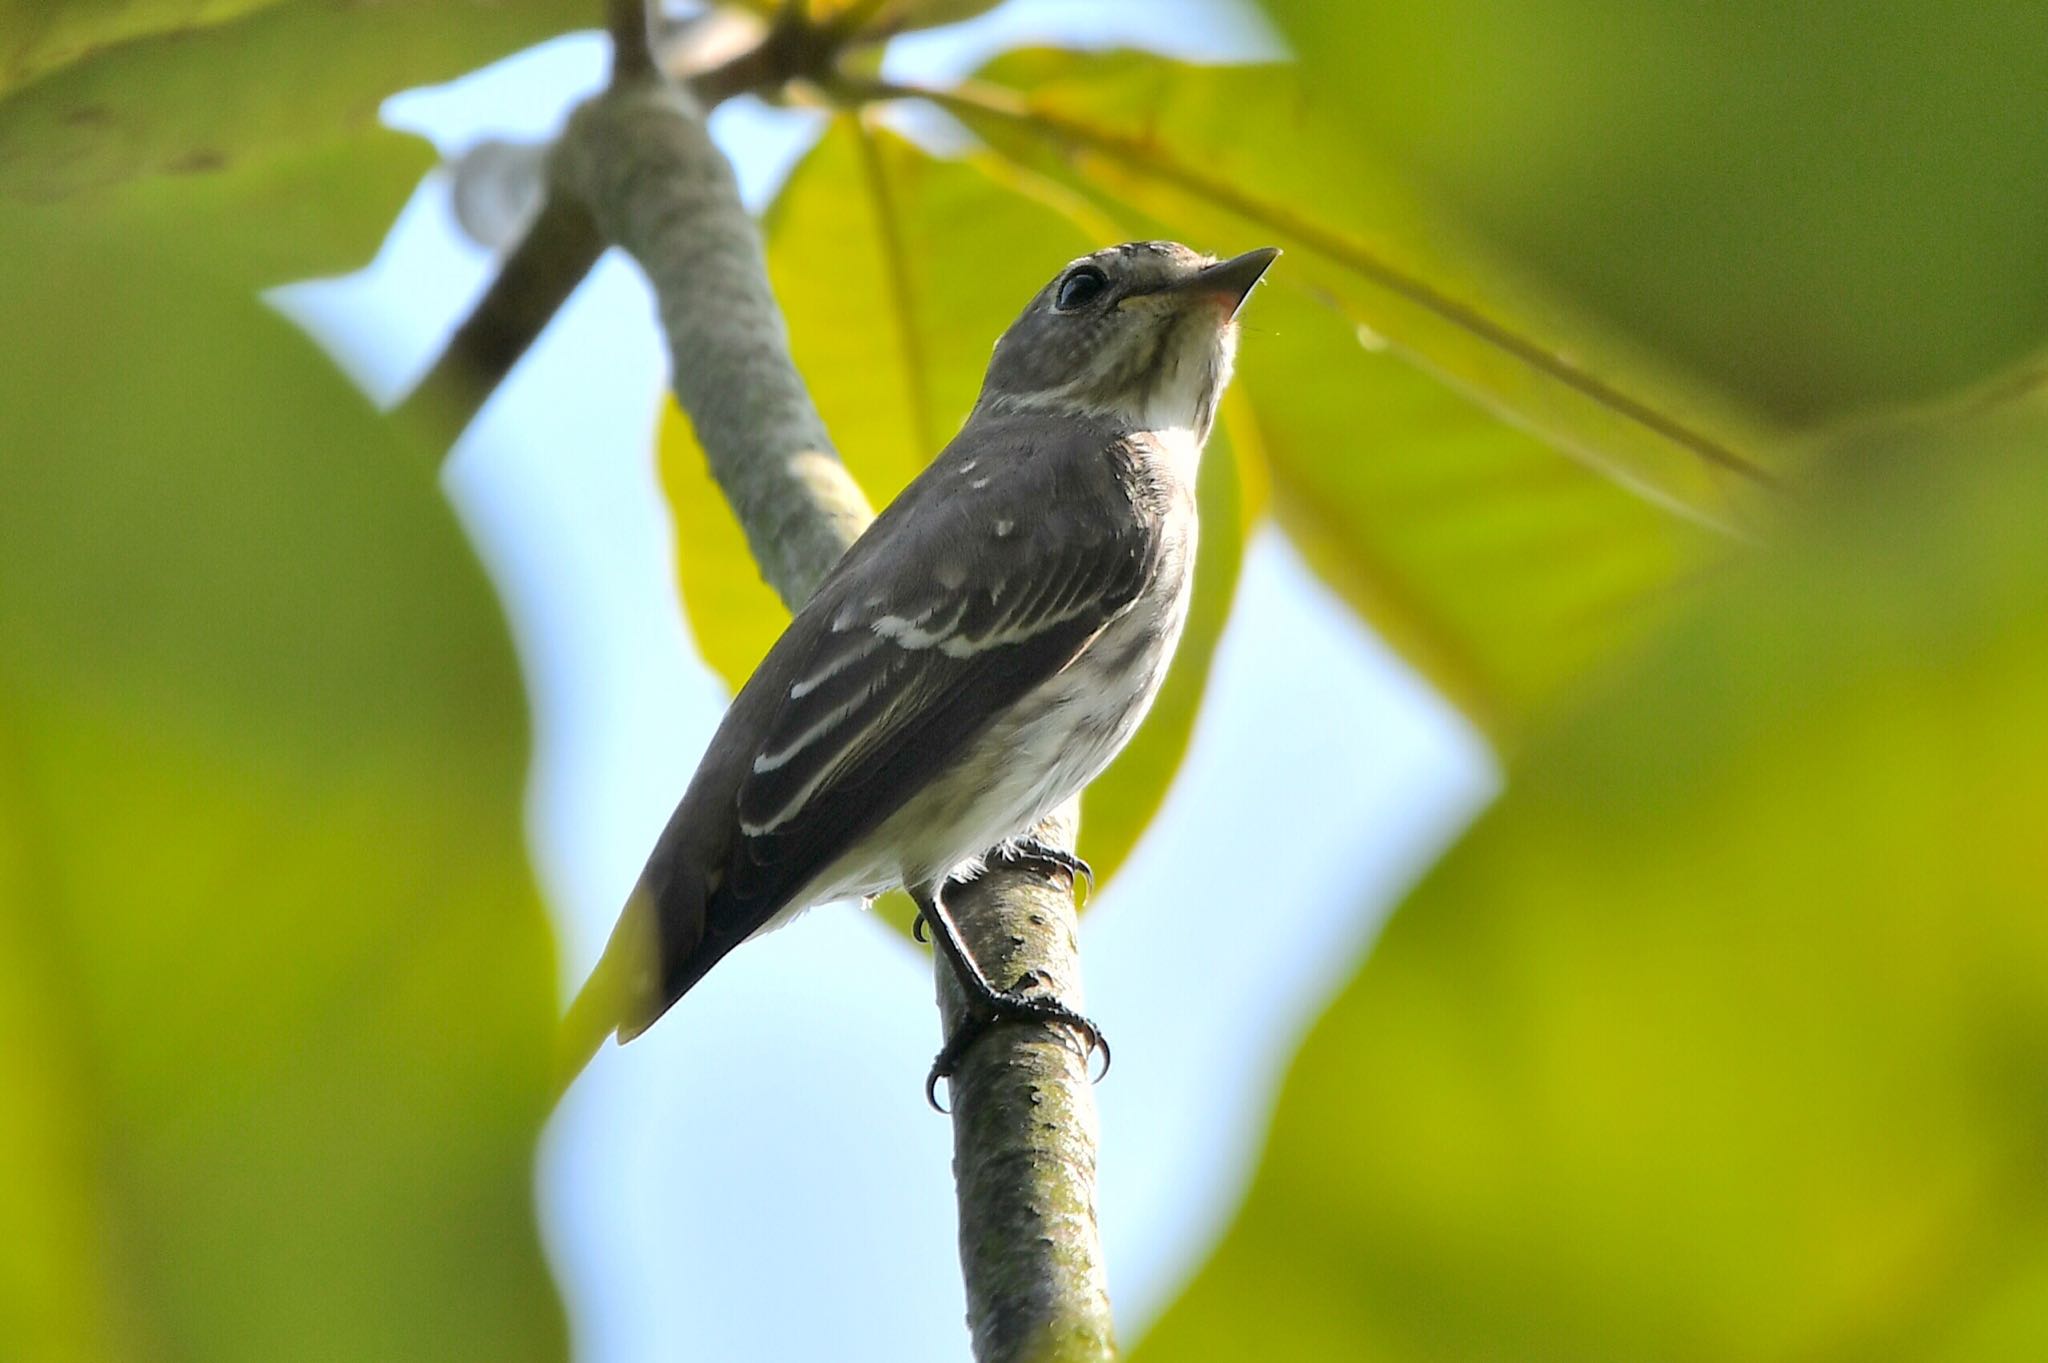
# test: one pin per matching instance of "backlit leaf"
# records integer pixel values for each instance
(1243, 154)
(247, 90)
(1499, 567)
(1817, 208)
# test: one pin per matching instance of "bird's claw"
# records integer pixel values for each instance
(1033, 851)
(1014, 1006)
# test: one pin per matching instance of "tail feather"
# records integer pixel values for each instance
(668, 937)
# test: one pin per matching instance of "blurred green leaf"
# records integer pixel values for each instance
(178, 101)
(40, 35)
(321, 210)
(276, 986)
(1501, 570)
(1817, 207)
(1498, 567)
(902, 16)
(897, 272)
(885, 16)
(1240, 156)
(1723, 1035)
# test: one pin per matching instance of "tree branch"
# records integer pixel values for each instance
(1023, 1112)
(1025, 1132)
(632, 46)
(538, 277)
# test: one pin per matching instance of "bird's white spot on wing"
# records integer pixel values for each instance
(824, 724)
(920, 631)
(838, 663)
(967, 466)
(966, 646)
(898, 630)
(978, 483)
(1004, 527)
(795, 803)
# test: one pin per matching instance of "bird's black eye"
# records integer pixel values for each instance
(1080, 288)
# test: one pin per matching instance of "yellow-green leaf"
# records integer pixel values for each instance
(885, 16)
(1245, 154)
(276, 985)
(1723, 1035)
(41, 35)
(319, 210)
(897, 272)
(901, 16)
(1500, 568)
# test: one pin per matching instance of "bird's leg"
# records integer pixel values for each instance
(1033, 851)
(986, 1004)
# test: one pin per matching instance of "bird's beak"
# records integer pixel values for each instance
(1230, 281)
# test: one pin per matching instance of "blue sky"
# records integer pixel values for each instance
(758, 1178)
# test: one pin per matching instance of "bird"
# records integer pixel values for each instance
(976, 657)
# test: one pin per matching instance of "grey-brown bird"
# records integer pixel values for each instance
(978, 656)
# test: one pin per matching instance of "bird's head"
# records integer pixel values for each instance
(1142, 334)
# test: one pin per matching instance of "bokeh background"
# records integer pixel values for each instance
(1623, 566)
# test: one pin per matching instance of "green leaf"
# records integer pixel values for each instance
(902, 16)
(1501, 569)
(174, 101)
(1817, 209)
(1722, 1035)
(897, 272)
(276, 986)
(320, 210)
(1240, 156)
(41, 35)
(884, 17)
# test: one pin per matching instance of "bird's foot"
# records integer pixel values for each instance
(1014, 1005)
(1035, 852)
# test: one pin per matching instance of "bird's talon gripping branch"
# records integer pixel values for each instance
(988, 1005)
(1014, 1006)
(1034, 852)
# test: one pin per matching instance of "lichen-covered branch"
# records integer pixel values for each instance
(641, 160)
(1024, 1134)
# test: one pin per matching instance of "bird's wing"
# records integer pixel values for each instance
(990, 574)
(991, 581)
